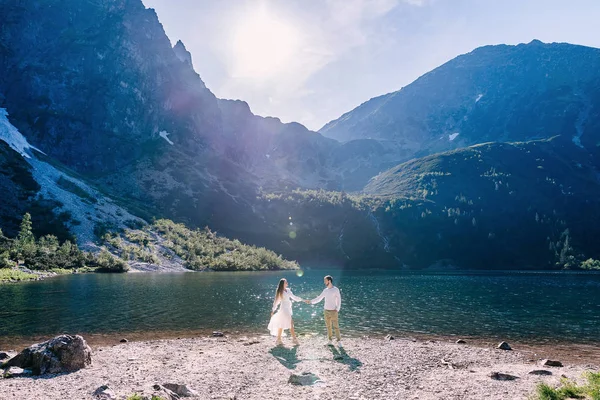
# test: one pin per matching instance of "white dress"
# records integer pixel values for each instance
(283, 317)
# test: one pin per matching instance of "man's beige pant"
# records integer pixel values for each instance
(331, 319)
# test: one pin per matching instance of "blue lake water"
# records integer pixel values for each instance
(529, 306)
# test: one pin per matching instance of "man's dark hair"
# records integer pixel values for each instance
(329, 278)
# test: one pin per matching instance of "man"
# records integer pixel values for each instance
(333, 303)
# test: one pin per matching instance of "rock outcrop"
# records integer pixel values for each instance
(64, 353)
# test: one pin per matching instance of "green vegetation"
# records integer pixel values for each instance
(106, 262)
(137, 396)
(200, 249)
(590, 263)
(11, 275)
(72, 187)
(48, 254)
(568, 389)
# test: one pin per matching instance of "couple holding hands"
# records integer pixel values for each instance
(282, 319)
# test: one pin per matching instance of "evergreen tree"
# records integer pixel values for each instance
(26, 233)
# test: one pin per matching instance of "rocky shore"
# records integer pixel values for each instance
(239, 367)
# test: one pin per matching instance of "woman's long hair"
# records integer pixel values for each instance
(279, 292)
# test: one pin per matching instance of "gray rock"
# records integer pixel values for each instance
(15, 372)
(540, 372)
(123, 340)
(305, 379)
(165, 393)
(4, 356)
(551, 363)
(64, 353)
(504, 346)
(502, 377)
(104, 393)
(389, 337)
(461, 341)
(218, 334)
(181, 390)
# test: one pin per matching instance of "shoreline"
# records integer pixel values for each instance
(572, 352)
(252, 368)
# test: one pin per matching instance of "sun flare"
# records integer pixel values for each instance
(263, 45)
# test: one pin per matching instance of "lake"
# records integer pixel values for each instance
(528, 306)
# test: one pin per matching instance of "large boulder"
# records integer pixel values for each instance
(64, 353)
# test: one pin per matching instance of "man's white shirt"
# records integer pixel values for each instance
(332, 296)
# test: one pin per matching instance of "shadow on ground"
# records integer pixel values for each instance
(287, 357)
(340, 355)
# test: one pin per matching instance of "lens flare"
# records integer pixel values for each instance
(299, 273)
(292, 235)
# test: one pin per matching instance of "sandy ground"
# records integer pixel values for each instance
(253, 368)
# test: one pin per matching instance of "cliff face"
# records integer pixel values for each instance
(97, 86)
(94, 83)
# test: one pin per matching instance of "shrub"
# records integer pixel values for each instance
(590, 263)
(106, 262)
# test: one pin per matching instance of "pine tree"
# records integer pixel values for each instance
(25, 233)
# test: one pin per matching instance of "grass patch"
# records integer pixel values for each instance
(72, 187)
(11, 275)
(140, 397)
(568, 389)
(61, 271)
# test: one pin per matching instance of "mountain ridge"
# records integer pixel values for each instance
(100, 89)
(493, 93)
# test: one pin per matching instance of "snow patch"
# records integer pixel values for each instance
(13, 137)
(87, 213)
(164, 135)
(479, 96)
(453, 136)
(581, 120)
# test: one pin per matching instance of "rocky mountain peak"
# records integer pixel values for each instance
(182, 53)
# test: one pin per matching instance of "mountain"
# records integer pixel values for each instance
(495, 93)
(103, 124)
(495, 204)
(97, 87)
(524, 205)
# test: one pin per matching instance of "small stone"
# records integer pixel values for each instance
(551, 363)
(123, 340)
(540, 372)
(165, 393)
(306, 379)
(504, 346)
(389, 337)
(461, 341)
(502, 377)
(104, 393)
(218, 334)
(180, 390)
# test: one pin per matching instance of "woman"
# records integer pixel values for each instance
(282, 319)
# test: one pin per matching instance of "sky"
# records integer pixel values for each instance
(310, 61)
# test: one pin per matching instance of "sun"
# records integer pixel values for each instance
(263, 45)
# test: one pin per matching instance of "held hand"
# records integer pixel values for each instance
(271, 313)
(307, 301)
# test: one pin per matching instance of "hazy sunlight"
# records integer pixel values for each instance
(263, 45)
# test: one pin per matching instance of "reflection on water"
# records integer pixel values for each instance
(531, 306)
